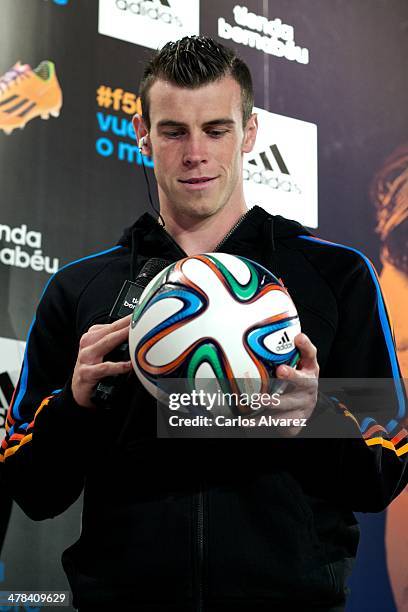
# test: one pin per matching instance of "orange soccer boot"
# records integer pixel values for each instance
(26, 93)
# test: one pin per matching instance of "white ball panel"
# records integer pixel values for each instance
(156, 314)
(205, 371)
(237, 267)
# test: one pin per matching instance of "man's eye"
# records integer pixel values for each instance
(217, 133)
(173, 134)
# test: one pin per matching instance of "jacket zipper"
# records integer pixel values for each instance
(219, 245)
(233, 228)
(200, 500)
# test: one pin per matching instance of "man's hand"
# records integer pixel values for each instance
(300, 402)
(90, 368)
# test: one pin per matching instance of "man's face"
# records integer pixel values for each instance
(197, 141)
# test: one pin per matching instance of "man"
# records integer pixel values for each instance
(203, 524)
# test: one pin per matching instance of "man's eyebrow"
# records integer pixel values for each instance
(170, 123)
(222, 121)
(173, 123)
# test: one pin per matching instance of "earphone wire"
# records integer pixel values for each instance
(149, 193)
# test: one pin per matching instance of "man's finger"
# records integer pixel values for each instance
(308, 354)
(90, 375)
(97, 351)
(287, 373)
(110, 368)
(121, 323)
(98, 331)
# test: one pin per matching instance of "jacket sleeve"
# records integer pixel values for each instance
(366, 468)
(43, 455)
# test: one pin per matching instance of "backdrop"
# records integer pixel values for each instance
(331, 91)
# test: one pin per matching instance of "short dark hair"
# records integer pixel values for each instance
(194, 61)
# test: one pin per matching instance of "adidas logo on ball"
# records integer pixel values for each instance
(284, 343)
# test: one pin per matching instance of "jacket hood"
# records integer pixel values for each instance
(256, 226)
(256, 220)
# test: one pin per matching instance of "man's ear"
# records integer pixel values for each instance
(250, 132)
(142, 135)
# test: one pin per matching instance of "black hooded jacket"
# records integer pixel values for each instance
(199, 524)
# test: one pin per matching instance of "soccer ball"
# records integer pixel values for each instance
(213, 316)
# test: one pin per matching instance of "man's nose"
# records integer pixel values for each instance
(195, 151)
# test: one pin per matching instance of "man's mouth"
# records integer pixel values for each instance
(198, 179)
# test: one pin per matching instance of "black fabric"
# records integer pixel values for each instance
(287, 606)
(197, 524)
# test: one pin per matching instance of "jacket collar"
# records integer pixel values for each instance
(254, 236)
(255, 227)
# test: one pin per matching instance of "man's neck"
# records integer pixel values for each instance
(202, 235)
